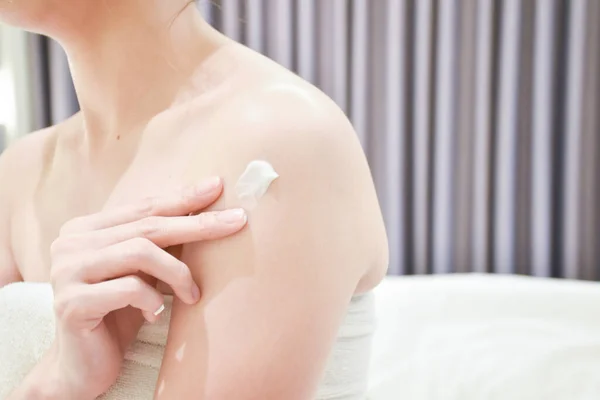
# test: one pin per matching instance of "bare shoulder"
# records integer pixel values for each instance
(274, 111)
(272, 104)
(295, 123)
(313, 147)
(22, 163)
(26, 161)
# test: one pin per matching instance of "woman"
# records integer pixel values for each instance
(167, 102)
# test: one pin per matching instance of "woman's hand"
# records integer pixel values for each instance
(105, 266)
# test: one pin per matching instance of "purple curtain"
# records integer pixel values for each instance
(479, 118)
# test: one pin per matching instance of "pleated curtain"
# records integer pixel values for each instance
(480, 118)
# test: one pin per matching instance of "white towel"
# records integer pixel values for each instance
(486, 337)
(27, 330)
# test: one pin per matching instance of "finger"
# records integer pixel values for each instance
(183, 201)
(85, 307)
(140, 255)
(173, 231)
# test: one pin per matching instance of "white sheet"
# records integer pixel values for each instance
(486, 337)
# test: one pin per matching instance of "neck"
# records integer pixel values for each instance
(131, 58)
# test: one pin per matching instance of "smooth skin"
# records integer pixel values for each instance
(274, 294)
(95, 276)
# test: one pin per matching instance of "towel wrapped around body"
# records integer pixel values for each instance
(27, 329)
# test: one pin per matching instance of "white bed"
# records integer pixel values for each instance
(486, 337)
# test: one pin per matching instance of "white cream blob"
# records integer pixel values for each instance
(254, 182)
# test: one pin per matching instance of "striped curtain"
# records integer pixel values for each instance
(480, 119)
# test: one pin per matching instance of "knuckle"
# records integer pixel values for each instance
(135, 286)
(61, 271)
(149, 206)
(150, 226)
(56, 246)
(56, 273)
(70, 227)
(139, 249)
(62, 245)
(207, 223)
(66, 244)
(67, 306)
(182, 273)
(188, 196)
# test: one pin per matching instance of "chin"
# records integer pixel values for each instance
(31, 15)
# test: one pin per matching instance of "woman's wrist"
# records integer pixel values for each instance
(47, 382)
(34, 389)
(41, 386)
(57, 382)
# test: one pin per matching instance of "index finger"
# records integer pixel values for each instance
(183, 201)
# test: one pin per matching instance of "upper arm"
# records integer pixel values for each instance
(274, 294)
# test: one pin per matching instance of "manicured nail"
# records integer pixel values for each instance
(232, 216)
(195, 293)
(208, 185)
(160, 310)
(149, 317)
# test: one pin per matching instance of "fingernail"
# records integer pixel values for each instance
(159, 311)
(208, 185)
(232, 216)
(149, 317)
(195, 293)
